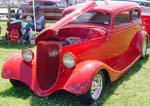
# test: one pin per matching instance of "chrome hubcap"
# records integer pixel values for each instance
(97, 86)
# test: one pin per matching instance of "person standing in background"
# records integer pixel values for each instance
(40, 22)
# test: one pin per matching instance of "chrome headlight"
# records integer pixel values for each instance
(69, 60)
(27, 55)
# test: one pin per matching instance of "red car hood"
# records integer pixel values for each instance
(53, 28)
(72, 15)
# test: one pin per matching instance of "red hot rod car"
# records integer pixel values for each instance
(93, 43)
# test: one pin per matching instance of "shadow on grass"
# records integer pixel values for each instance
(20, 92)
(66, 99)
(59, 98)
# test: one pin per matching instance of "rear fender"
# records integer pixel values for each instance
(143, 34)
(138, 39)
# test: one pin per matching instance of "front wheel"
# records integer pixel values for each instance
(16, 83)
(95, 90)
(144, 48)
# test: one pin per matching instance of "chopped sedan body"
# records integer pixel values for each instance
(93, 43)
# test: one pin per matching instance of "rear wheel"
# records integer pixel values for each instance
(144, 48)
(95, 90)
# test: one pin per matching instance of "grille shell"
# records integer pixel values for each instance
(48, 56)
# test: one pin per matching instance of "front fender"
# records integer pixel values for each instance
(83, 74)
(16, 68)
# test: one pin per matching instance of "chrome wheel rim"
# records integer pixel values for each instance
(144, 48)
(97, 86)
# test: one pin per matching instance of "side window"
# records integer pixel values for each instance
(136, 14)
(122, 17)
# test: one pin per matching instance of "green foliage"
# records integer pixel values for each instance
(130, 90)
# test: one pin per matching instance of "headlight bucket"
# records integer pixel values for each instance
(69, 60)
(27, 55)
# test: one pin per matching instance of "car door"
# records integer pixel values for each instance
(122, 33)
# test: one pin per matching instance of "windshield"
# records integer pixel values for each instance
(92, 17)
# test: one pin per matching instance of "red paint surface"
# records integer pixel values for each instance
(114, 49)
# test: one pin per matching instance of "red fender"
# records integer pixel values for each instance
(16, 68)
(80, 80)
(144, 33)
(138, 39)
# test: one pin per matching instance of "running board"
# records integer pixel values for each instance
(127, 61)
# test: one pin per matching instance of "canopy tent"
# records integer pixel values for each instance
(33, 4)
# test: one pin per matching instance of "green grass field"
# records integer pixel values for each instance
(133, 89)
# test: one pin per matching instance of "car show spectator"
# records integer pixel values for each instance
(40, 22)
(30, 26)
(18, 19)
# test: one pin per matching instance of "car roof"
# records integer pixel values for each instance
(110, 7)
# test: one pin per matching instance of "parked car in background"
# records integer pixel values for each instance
(141, 2)
(94, 43)
(146, 21)
(51, 8)
(145, 7)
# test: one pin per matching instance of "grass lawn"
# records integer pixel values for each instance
(133, 89)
